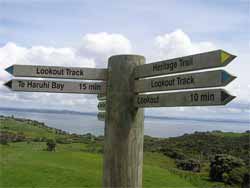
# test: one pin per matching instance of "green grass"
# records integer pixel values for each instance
(29, 130)
(229, 134)
(28, 165)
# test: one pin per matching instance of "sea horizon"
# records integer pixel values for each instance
(155, 126)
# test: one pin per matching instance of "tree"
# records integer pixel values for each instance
(189, 164)
(51, 145)
(227, 168)
(246, 180)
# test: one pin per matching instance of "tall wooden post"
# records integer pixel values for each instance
(124, 125)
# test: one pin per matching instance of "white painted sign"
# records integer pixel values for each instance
(102, 106)
(53, 86)
(101, 116)
(218, 58)
(185, 81)
(57, 72)
(210, 97)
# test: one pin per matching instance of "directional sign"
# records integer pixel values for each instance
(188, 98)
(218, 58)
(101, 116)
(101, 96)
(57, 72)
(102, 106)
(185, 81)
(53, 86)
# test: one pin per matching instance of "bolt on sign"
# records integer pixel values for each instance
(124, 89)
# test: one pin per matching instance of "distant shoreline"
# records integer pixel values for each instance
(30, 110)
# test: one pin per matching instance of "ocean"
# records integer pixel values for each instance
(82, 124)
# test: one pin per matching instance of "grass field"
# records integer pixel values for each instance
(27, 165)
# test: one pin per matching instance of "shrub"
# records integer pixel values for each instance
(36, 139)
(19, 137)
(51, 145)
(246, 180)
(173, 153)
(189, 164)
(236, 176)
(227, 168)
(4, 140)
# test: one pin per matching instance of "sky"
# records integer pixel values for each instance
(86, 32)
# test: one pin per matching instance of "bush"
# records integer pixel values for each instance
(246, 180)
(19, 137)
(236, 176)
(4, 141)
(36, 139)
(227, 168)
(173, 153)
(51, 145)
(94, 148)
(189, 164)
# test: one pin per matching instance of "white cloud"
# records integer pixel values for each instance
(178, 43)
(94, 51)
(39, 55)
(94, 47)
(103, 45)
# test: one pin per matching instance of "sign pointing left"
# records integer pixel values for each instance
(57, 72)
(53, 86)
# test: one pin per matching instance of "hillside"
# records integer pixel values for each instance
(202, 145)
(77, 161)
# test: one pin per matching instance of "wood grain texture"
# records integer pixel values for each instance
(124, 125)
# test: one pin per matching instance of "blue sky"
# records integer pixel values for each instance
(33, 31)
(60, 22)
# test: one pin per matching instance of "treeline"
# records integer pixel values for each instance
(225, 155)
(202, 145)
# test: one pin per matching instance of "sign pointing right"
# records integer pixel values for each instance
(185, 81)
(213, 59)
(210, 97)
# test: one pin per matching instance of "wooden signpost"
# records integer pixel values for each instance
(101, 116)
(57, 72)
(211, 97)
(124, 90)
(53, 86)
(101, 96)
(102, 106)
(185, 81)
(213, 59)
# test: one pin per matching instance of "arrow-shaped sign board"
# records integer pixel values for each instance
(101, 116)
(102, 106)
(57, 72)
(53, 86)
(218, 58)
(185, 81)
(101, 96)
(210, 97)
